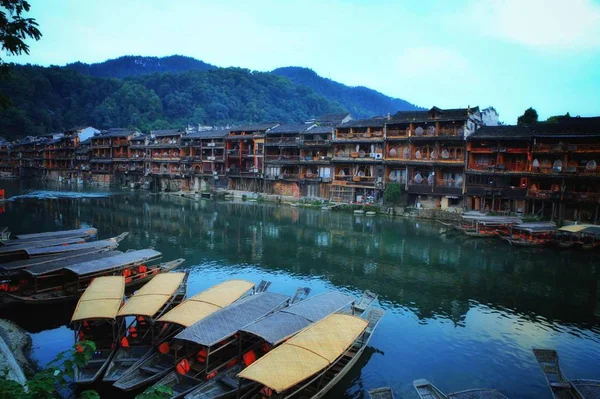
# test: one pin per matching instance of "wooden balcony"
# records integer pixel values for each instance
(282, 142)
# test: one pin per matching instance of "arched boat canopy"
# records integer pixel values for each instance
(149, 299)
(101, 299)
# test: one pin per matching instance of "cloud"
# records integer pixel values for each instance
(554, 25)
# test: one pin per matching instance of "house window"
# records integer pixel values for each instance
(273, 171)
(325, 173)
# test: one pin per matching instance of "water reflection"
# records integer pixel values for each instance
(476, 304)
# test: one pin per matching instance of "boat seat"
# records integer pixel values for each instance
(564, 385)
(151, 370)
(228, 381)
(127, 360)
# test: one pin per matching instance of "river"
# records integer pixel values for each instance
(462, 313)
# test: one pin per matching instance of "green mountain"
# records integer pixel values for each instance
(362, 102)
(155, 93)
(134, 65)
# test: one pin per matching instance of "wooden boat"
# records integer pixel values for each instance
(54, 247)
(310, 363)
(14, 267)
(590, 238)
(260, 337)
(68, 283)
(486, 226)
(86, 233)
(381, 393)
(561, 386)
(181, 382)
(95, 319)
(531, 234)
(154, 299)
(570, 236)
(447, 224)
(427, 390)
(166, 352)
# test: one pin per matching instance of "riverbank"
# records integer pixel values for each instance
(15, 348)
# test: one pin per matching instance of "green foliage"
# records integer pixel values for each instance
(54, 99)
(393, 193)
(362, 102)
(529, 117)
(54, 377)
(244, 197)
(14, 30)
(158, 392)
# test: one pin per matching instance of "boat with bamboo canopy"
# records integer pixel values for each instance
(87, 234)
(486, 226)
(531, 234)
(263, 335)
(15, 253)
(150, 302)
(95, 319)
(159, 360)
(64, 259)
(570, 236)
(310, 363)
(560, 385)
(42, 286)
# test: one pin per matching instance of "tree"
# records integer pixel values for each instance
(557, 118)
(529, 117)
(14, 29)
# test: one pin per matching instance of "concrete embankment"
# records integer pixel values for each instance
(15, 345)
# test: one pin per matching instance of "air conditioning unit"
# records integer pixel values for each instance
(211, 144)
(378, 156)
(211, 158)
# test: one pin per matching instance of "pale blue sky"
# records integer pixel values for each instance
(511, 54)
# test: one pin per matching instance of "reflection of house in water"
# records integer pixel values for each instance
(406, 265)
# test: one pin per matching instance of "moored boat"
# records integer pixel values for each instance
(381, 393)
(162, 358)
(310, 363)
(42, 286)
(154, 299)
(86, 233)
(531, 234)
(560, 385)
(570, 236)
(95, 319)
(427, 390)
(263, 335)
(486, 226)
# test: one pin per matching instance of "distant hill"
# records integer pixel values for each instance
(362, 102)
(135, 65)
(156, 93)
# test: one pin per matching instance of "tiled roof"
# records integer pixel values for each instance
(115, 132)
(295, 128)
(167, 132)
(434, 114)
(207, 134)
(332, 118)
(254, 127)
(319, 130)
(373, 122)
(572, 127)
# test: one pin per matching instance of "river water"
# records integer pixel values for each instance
(462, 313)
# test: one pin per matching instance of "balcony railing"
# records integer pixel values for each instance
(315, 143)
(283, 142)
(283, 158)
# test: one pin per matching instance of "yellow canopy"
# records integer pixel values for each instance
(151, 297)
(307, 353)
(575, 228)
(101, 299)
(207, 302)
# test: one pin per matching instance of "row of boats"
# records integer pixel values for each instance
(519, 233)
(235, 339)
(55, 267)
(560, 386)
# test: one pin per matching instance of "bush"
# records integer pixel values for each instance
(244, 197)
(393, 193)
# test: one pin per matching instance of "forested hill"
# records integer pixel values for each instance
(155, 93)
(133, 65)
(52, 99)
(362, 102)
